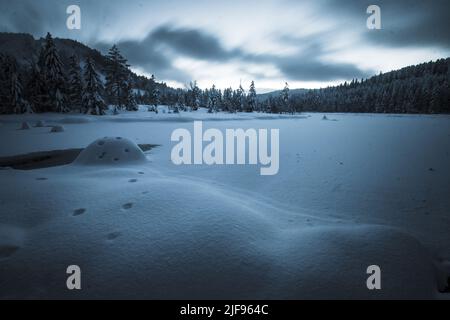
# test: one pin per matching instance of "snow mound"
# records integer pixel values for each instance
(25, 126)
(163, 245)
(40, 124)
(57, 129)
(109, 150)
(11, 239)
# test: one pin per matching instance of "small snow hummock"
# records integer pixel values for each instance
(57, 129)
(11, 239)
(111, 150)
(40, 124)
(25, 126)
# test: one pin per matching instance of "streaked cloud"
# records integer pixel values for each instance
(309, 43)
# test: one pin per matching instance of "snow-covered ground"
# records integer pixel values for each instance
(352, 191)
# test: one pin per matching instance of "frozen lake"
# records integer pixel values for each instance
(351, 191)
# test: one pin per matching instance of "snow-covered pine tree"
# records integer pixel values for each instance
(130, 101)
(18, 103)
(92, 101)
(181, 101)
(4, 84)
(36, 89)
(214, 99)
(117, 78)
(241, 98)
(285, 99)
(12, 99)
(196, 93)
(252, 103)
(156, 97)
(54, 76)
(75, 83)
(228, 100)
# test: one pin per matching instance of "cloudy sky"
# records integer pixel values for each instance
(307, 43)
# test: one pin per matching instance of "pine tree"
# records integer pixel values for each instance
(285, 99)
(156, 97)
(12, 97)
(36, 89)
(195, 91)
(18, 103)
(75, 84)
(92, 101)
(130, 101)
(117, 78)
(228, 100)
(5, 76)
(214, 99)
(241, 98)
(252, 104)
(54, 76)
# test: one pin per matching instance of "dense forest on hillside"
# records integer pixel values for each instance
(424, 88)
(61, 75)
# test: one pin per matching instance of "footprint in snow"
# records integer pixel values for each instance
(127, 206)
(79, 212)
(132, 180)
(41, 179)
(113, 235)
(7, 250)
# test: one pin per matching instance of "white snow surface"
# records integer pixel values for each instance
(362, 190)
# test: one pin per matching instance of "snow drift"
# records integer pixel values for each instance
(108, 150)
(148, 241)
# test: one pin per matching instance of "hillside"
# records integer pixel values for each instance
(423, 88)
(25, 49)
(265, 96)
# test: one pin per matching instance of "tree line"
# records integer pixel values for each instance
(424, 88)
(48, 85)
(215, 100)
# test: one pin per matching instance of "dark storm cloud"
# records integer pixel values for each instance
(309, 64)
(151, 54)
(311, 69)
(144, 55)
(156, 52)
(20, 16)
(193, 43)
(405, 23)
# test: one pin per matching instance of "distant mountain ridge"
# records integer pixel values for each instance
(276, 93)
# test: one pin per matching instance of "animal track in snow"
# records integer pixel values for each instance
(127, 206)
(113, 235)
(6, 251)
(78, 212)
